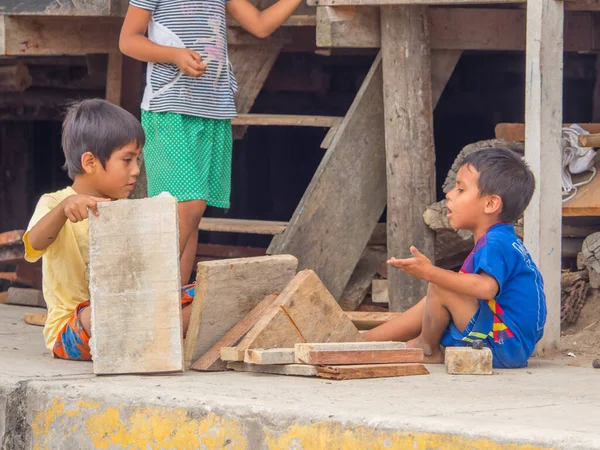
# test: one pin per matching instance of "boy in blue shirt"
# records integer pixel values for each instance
(498, 296)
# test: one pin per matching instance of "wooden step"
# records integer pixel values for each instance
(284, 120)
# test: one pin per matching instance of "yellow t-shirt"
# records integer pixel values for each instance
(64, 266)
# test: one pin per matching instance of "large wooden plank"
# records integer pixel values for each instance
(356, 353)
(135, 288)
(304, 312)
(408, 125)
(226, 291)
(210, 361)
(356, 153)
(356, 372)
(49, 35)
(450, 28)
(543, 118)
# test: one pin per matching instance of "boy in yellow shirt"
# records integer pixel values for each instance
(102, 144)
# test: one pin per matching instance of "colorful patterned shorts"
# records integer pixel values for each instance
(74, 343)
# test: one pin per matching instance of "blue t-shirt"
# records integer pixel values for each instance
(519, 308)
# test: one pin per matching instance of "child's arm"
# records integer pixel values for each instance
(261, 23)
(478, 285)
(74, 208)
(134, 43)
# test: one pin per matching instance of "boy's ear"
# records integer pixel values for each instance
(493, 204)
(88, 162)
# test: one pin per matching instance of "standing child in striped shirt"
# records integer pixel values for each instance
(188, 101)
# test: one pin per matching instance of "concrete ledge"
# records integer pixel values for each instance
(549, 405)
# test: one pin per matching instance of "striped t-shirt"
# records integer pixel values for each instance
(197, 25)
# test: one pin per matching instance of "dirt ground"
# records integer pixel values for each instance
(583, 338)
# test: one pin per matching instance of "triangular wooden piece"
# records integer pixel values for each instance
(305, 311)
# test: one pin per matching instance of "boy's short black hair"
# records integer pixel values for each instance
(503, 172)
(98, 127)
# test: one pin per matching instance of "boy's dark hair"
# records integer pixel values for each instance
(98, 127)
(503, 172)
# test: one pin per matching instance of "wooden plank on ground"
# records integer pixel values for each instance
(356, 353)
(135, 287)
(38, 319)
(25, 297)
(304, 312)
(543, 116)
(242, 226)
(302, 370)
(357, 154)
(210, 361)
(369, 320)
(226, 291)
(269, 356)
(408, 125)
(361, 371)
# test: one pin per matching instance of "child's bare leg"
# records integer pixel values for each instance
(403, 328)
(190, 214)
(442, 306)
(188, 257)
(85, 317)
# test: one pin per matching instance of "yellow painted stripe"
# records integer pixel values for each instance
(478, 335)
(499, 327)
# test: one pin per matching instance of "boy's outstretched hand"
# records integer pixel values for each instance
(418, 266)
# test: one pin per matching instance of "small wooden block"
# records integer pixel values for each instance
(269, 356)
(231, 354)
(379, 291)
(468, 361)
(357, 353)
(25, 297)
(283, 369)
(38, 319)
(355, 372)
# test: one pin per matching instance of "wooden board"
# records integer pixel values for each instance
(357, 154)
(38, 319)
(242, 226)
(587, 200)
(408, 112)
(450, 28)
(210, 361)
(356, 372)
(356, 353)
(135, 287)
(58, 8)
(516, 131)
(379, 291)
(286, 120)
(543, 116)
(226, 291)
(302, 370)
(304, 312)
(370, 320)
(269, 356)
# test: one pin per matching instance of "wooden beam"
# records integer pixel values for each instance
(356, 153)
(269, 356)
(357, 353)
(408, 125)
(242, 226)
(361, 371)
(450, 28)
(285, 120)
(58, 8)
(516, 131)
(114, 78)
(543, 118)
(589, 140)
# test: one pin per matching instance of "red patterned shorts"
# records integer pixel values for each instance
(74, 343)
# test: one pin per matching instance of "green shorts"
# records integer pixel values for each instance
(188, 157)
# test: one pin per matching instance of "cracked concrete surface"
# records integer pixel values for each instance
(42, 401)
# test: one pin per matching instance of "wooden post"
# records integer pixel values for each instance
(114, 77)
(543, 152)
(410, 154)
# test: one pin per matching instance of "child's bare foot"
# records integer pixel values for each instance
(431, 355)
